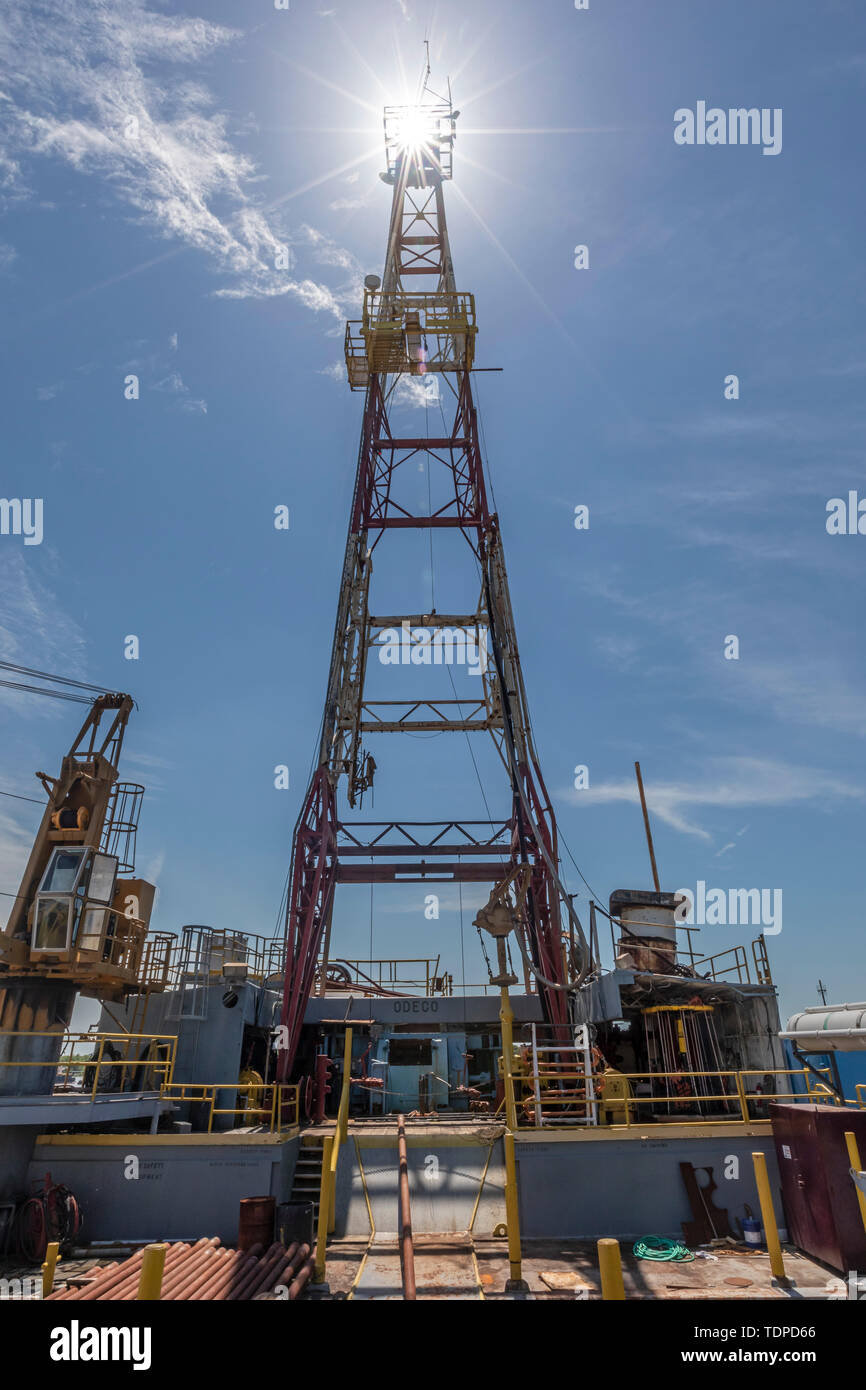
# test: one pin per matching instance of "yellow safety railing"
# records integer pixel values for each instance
(330, 1159)
(280, 1108)
(152, 1054)
(860, 1092)
(549, 1087)
(407, 332)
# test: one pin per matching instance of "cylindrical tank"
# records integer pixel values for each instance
(649, 917)
(256, 1222)
(34, 1017)
(829, 1028)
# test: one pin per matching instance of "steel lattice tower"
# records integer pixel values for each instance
(415, 324)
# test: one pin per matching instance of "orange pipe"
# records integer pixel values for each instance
(129, 1288)
(68, 1293)
(192, 1272)
(407, 1248)
(302, 1277)
(250, 1279)
(265, 1270)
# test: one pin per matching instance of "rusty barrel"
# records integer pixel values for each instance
(256, 1222)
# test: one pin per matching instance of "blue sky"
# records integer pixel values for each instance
(150, 249)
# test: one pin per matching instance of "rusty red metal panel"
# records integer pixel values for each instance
(818, 1193)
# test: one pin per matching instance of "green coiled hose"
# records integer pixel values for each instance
(660, 1248)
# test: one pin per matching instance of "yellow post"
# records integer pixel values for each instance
(506, 1019)
(741, 1097)
(610, 1269)
(512, 1208)
(332, 1187)
(344, 1094)
(854, 1156)
(52, 1250)
(324, 1210)
(342, 1129)
(97, 1068)
(512, 1211)
(152, 1265)
(768, 1216)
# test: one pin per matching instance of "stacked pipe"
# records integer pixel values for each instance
(203, 1272)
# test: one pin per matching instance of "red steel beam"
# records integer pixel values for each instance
(421, 872)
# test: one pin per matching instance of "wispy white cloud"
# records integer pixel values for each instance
(175, 385)
(621, 651)
(35, 630)
(726, 784)
(448, 900)
(81, 86)
(416, 391)
(810, 690)
(336, 371)
(149, 767)
(154, 867)
(156, 364)
(16, 841)
(815, 681)
(147, 759)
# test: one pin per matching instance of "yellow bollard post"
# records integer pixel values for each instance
(512, 1204)
(150, 1281)
(768, 1216)
(324, 1210)
(854, 1156)
(52, 1250)
(512, 1212)
(332, 1199)
(610, 1269)
(506, 1019)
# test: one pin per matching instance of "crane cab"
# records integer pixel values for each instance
(87, 921)
(73, 902)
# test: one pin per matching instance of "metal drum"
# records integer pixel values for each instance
(256, 1222)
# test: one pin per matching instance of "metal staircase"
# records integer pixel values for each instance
(307, 1182)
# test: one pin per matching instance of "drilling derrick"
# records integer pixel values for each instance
(417, 325)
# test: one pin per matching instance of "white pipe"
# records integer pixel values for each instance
(831, 1008)
(827, 1033)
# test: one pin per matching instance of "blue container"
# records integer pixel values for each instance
(752, 1232)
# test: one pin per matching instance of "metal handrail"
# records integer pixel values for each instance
(330, 1159)
(740, 1095)
(740, 963)
(163, 1043)
(206, 1093)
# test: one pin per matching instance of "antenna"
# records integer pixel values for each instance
(649, 838)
